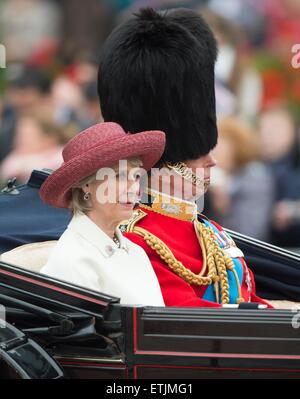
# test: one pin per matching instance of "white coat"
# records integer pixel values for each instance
(86, 256)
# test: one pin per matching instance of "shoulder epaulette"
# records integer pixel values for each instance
(126, 226)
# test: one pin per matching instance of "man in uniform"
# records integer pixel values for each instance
(157, 72)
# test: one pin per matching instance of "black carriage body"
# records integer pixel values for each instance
(90, 335)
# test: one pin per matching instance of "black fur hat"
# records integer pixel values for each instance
(157, 72)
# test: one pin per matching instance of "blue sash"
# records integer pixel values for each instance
(225, 242)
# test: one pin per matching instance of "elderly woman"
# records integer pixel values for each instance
(92, 251)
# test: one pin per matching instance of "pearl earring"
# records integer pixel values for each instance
(86, 196)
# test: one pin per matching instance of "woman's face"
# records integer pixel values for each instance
(116, 190)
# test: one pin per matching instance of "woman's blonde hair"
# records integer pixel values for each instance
(78, 203)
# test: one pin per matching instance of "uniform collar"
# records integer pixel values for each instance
(86, 228)
(169, 206)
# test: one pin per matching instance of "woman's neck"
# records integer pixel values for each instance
(108, 226)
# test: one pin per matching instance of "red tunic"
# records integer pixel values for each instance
(181, 239)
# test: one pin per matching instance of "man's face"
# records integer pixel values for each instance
(173, 184)
(205, 163)
(201, 167)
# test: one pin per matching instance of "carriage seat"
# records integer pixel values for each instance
(29, 256)
(34, 256)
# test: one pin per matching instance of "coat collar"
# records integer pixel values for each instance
(86, 228)
(169, 206)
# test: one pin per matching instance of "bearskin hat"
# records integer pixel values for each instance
(157, 72)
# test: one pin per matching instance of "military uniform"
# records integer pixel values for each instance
(195, 260)
(156, 72)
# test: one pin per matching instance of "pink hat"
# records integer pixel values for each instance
(99, 146)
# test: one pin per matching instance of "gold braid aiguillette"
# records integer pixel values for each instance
(216, 262)
(185, 172)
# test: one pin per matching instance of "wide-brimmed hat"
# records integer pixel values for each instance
(101, 145)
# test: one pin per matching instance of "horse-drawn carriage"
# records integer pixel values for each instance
(55, 329)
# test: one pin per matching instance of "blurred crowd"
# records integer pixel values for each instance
(48, 93)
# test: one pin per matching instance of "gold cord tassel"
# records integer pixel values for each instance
(215, 261)
(167, 256)
(230, 266)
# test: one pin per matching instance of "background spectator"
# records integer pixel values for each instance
(27, 88)
(242, 191)
(37, 144)
(279, 144)
(30, 28)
